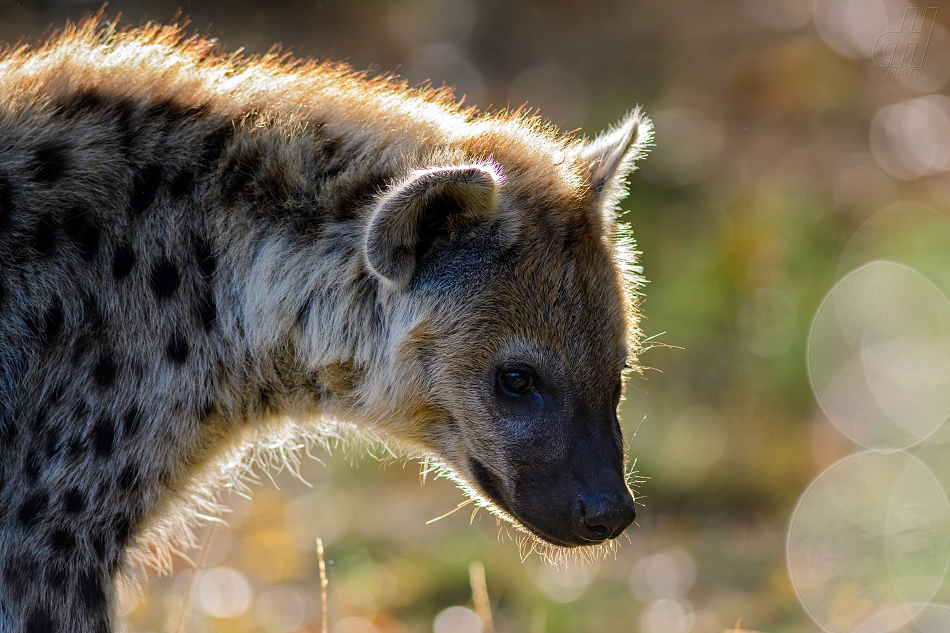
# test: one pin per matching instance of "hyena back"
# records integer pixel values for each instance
(197, 252)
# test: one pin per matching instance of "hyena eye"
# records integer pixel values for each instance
(515, 382)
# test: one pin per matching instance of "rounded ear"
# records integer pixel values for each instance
(609, 158)
(430, 202)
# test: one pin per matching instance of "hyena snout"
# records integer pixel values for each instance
(580, 500)
(574, 509)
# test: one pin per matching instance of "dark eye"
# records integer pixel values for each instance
(515, 382)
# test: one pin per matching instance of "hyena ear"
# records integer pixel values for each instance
(427, 204)
(609, 158)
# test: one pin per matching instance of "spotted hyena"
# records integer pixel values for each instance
(201, 253)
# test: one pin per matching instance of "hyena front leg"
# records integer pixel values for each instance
(61, 586)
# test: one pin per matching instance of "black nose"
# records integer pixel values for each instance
(602, 517)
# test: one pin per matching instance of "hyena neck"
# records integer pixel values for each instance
(315, 321)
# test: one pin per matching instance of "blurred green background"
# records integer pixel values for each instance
(777, 139)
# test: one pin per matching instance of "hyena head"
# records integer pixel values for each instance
(514, 287)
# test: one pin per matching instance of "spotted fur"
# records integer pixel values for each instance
(201, 253)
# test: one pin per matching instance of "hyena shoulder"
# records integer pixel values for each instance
(200, 253)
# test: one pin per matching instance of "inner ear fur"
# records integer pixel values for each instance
(609, 158)
(430, 202)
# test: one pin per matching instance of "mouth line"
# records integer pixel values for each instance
(494, 496)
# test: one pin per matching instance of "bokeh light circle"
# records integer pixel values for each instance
(223, 592)
(911, 234)
(852, 27)
(565, 583)
(457, 620)
(927, 618)
(869, 542)
(912, 139)
(879, 356)
(662, 575)
(668, 615)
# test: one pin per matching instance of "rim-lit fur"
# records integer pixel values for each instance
(187, 281)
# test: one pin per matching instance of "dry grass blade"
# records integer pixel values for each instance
(538, 620)
(476, 576)
(738, 628)
(324, 627)
(190, 591)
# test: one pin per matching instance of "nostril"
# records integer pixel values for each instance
(602, 518)
(599, 531)
(591, 528)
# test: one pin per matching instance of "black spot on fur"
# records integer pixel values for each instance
(330, 158)
(33, 508)
(9, 430)
(104, 372)
(75, 447)
(330, 148)
(145, 184)
(39, 421)
(85, 234)
(206, 411)
(19, 572)
(57, 577)
(92, 313)
(32, 464)
(53, 320)
(74, 501)
(81, 102)
(238, 173)
(80, 349)
(165, 279)
(123, 260)
(132, 421)
(3, 293)
(266, 398)
(215, 144)
(52, 447)
(40, 621)
(90, 590)
(124, 112)
(177, 349)
(207, 310)
(302, 219)
(207, 262)
(103, 437)
(6, 202)
(99, 545)
(303, 314)
(357, 196)
(62, 540)
(45, 236)
(272, 186)
(122, 530)
(130, 479)
(164, 109)
(181, 184)
(49, 163)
